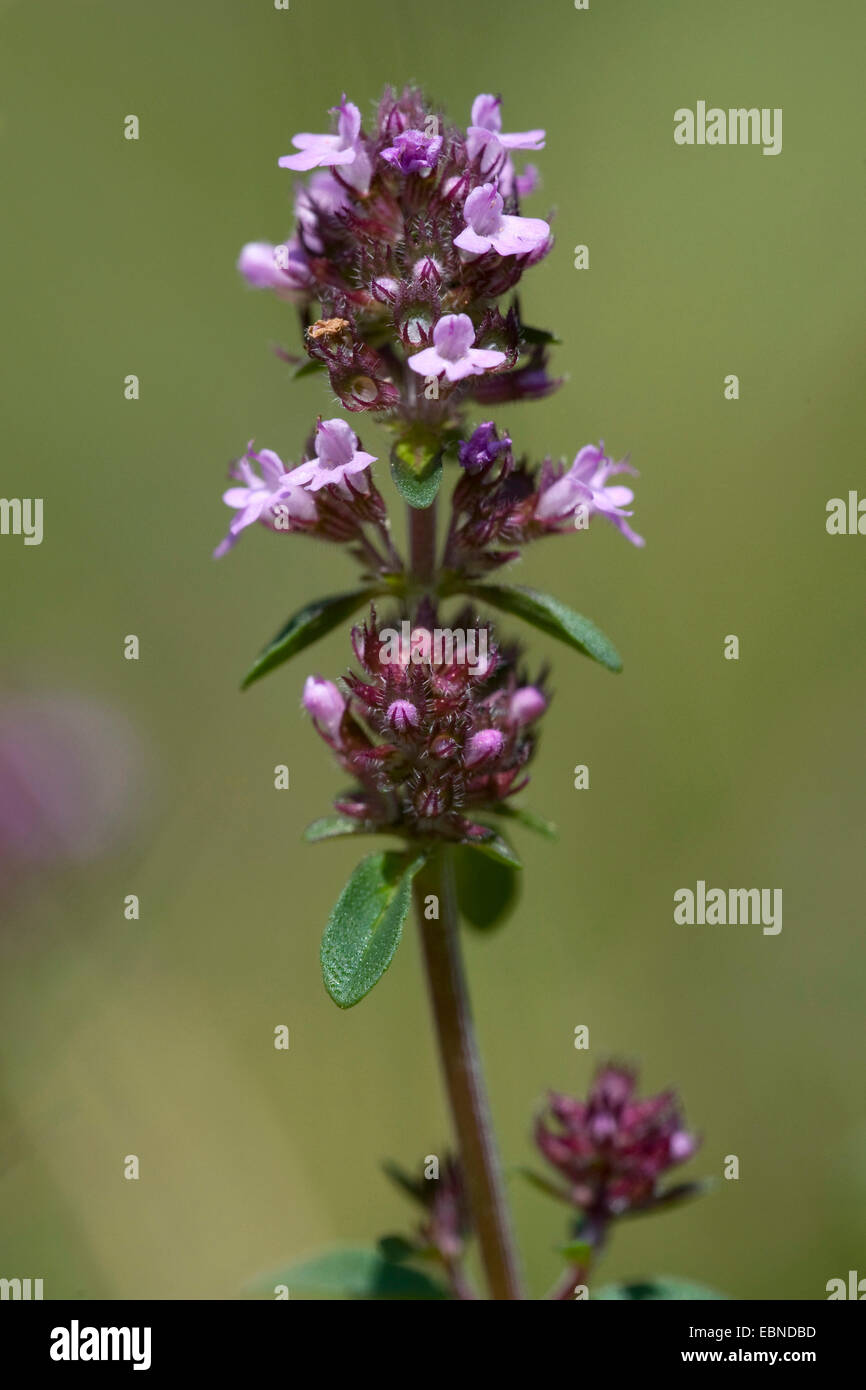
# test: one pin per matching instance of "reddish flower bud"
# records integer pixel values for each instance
(483, 747)
(526, 705)
(614, 1148)
(402, 715)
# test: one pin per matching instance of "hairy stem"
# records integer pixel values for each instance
(461, 1066)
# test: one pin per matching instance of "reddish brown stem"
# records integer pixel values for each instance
(464, 1082)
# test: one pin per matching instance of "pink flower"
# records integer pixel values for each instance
(488, 229)
(343, 149)
(487, 116)
(528, 181)
(323, 196)
(257, 498)
(338, 457)
(452, 352)
(323, 701)
(282, 268)
(486, 143)
(585, 485)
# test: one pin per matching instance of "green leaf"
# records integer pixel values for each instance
(354, 1273)
(530, 819)
(309, 368)
(487, 889)
(416, 466)
(552, 617)
(576, 1252)
(331, 828)
(407, 1184)
(544, 1184)
(307, 626)
(496, 847)
(396, 1249)
(661, 1287)
(364, 929)
(537, 335)
(674, 1196)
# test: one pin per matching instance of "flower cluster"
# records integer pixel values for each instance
(499, 506)
(406, 235)
(328, 495)
(437, 730)
(446, 1223)
(613, 1148)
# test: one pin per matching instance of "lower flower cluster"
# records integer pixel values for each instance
(437, 730)
(613, 1148)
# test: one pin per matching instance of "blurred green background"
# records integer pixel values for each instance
(155, 1037)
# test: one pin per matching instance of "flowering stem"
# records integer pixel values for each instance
(422, 543)
(461, 1066)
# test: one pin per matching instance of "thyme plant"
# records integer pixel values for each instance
(408, 249)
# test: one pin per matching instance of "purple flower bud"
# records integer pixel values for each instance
(427, 268)
(526, 705)
(323, 701)
(447, 1218)
(402, 715)
(385, 288)
(682, 1146)
(413, 152)
(282, 268)
(443, 746)
(483, 746)
(482, 448)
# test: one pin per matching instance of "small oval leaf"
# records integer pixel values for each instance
(364, 929)
(416, 467)
(538, 336)
(332, 827)
(307, 626)
(497, 847)
(662, 1287)
(530, 819)
(544, 1184)
(309, 368)
(353, 1273)
(550, 616)
(487, 889)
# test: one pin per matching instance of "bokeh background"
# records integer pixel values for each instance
(155, 1037)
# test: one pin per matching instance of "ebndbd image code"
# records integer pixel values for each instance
(431, 739)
